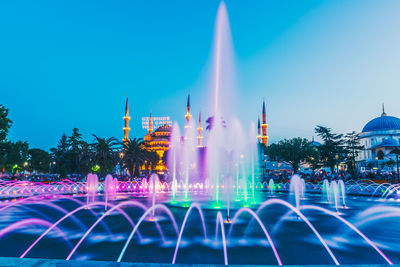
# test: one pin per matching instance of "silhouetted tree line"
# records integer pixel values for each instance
(73, 155)
(334, 149)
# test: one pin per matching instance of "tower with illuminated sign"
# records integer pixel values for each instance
(126, 119)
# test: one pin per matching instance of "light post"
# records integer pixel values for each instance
(377, 165)
(337, 163)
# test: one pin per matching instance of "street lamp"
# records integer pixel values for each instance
(337, 163)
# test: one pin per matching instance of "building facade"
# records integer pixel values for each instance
(379, 137)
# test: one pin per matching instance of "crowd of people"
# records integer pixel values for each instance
(319, 176)
(277, 176)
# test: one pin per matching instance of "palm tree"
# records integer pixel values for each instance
(105, 153)
(75, 145)
(134, 155)
(85, 158)
(152, 159)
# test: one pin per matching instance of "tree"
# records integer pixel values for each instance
(85, 158)
(5, 123)
(17, 155)
(315, 159)
(353, 148)
(390, 163)
(134, 155)
(60, 156)
(39, 160)
(75, 143)
(105, 153)
(152, 159)
(383, 164)
(332, 150)
(370, 165)
(292, 151)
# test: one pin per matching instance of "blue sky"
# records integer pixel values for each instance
(66, 64)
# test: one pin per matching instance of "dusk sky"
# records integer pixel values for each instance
(66, 64)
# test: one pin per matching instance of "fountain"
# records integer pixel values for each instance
(110, 189)
(92, 182)
(271, 186)
(297, 189)
(181, 219)
(325, 191)
(342, 192)
(154, 188)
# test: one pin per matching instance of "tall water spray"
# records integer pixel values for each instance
(222, 85)
(271, 186)
(253, 154)
(334, 193)
(325, 191)
(229, 154)
(189, 156)
(92, 184)
(110, 188)
(154, 186)
(297, 189)
(238, 138)
(174, 152)
(342, 192)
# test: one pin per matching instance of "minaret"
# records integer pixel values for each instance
(150, 124)
(259, 129)
(264, 125)
(200, 130)
(383, 110)
(126, 119)
(188, 115)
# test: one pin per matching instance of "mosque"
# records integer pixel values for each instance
(155, 140)
(158, 140)
(379, 137)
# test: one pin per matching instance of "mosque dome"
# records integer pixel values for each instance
(163, 130)
(315, 143)
(382, 123)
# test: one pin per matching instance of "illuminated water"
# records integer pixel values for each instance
(364, 232)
